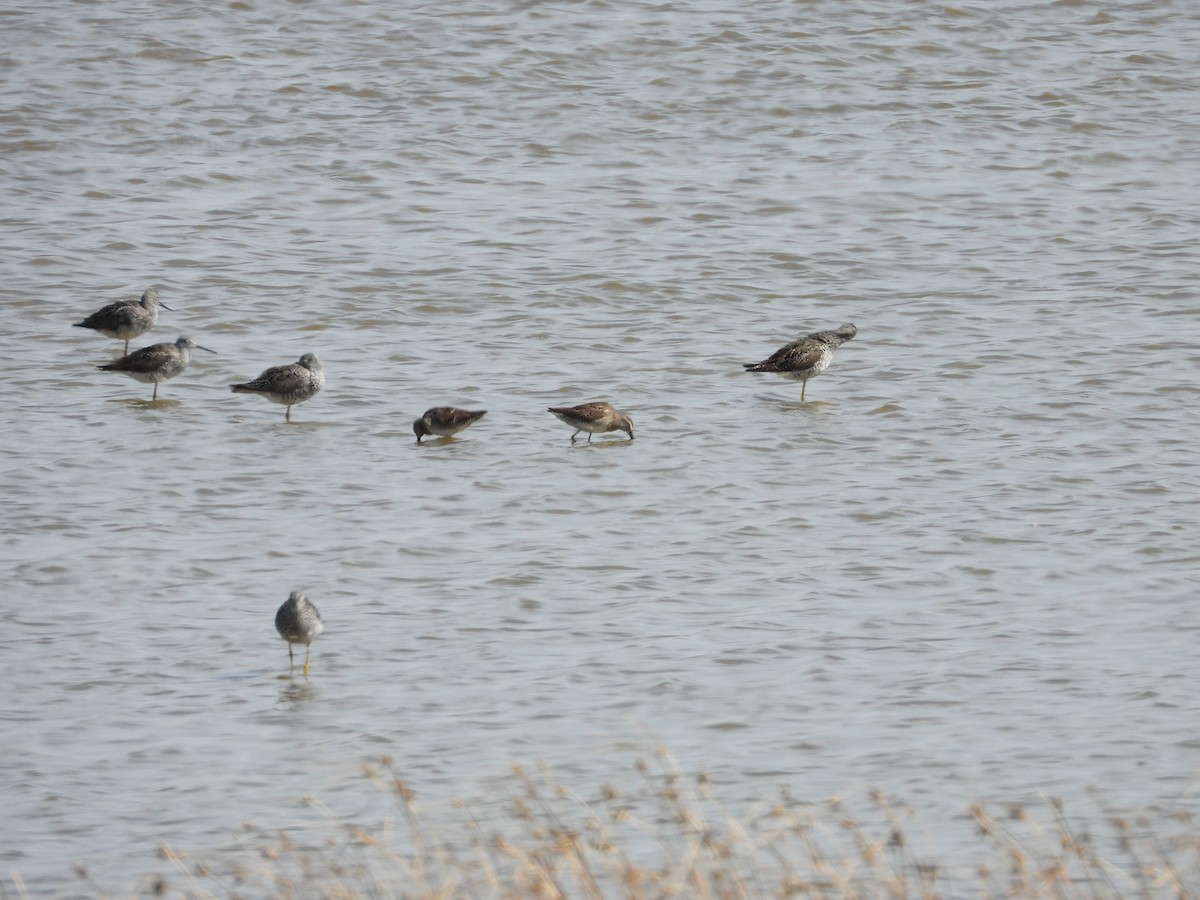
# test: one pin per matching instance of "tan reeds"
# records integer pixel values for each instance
(670, 836)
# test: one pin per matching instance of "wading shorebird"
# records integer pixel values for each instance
(288, 385)
(156, 363)
(126, 319)
(806, 358)
(445, 421)
(594, 418)
(298, 622)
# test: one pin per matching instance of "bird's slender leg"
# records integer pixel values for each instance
(291, 660)
(155, 397)
(127, 348)
(589, 437)
(307, 651)
(803, 388)
(287, 417)
(573, 437)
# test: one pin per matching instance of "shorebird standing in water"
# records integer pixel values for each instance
(156, 363)
(288, 385)
(298, 622)
(126, 319)
(806, 358)
(445, 421)
(594, 418)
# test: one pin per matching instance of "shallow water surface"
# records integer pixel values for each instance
(965, 568)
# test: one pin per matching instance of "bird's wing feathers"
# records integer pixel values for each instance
(798, 355)
(451, 417)
(282, 379)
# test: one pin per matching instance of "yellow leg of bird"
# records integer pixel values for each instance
(306, 652)
(803, 388)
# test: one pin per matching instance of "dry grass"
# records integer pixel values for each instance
(671, 837)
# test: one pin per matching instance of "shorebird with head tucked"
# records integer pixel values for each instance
(287, 385)
(126, 319)
(298, 621)
(806, 358)
(445, 421)
(156, 363)
(594, 418)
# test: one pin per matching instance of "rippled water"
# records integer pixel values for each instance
(965, 568)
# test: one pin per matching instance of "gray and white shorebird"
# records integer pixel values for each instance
(298, 621)
(126, 319)
(806, 358)
(594, 418)
(156, 363)
(445, 421)
(288, 385)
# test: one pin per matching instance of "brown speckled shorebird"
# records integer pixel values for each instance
(445, 421)
(287, 385)
(156, 363)
(126, 319)
(298, 622)
(594, 418)
(806, 358)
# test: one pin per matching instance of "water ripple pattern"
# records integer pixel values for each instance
(965, 568)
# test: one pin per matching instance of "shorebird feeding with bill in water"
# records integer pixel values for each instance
(594, 418)
(445, 421)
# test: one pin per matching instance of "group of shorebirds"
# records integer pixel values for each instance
(127, 319)
(298, 621)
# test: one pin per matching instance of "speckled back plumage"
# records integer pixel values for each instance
(298, 620)
(445, 421)
(155, 363)
(594, 418)
(125, 319)
(290, 384)
(806, 358)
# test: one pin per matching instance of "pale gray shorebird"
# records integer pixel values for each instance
(806, 358)
(288, 385)
(156, 363)
(298, 622)
(126, 319)
(594, 418)
(445, 421)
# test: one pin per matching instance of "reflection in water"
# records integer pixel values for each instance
(141, 403)
(296, 689)
(809, 406)
(601, 442)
